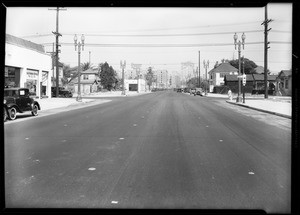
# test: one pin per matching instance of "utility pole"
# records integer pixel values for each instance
(199, 69)
(123, 65)
(265, 23)
(197, 74)
(90, 58)
(57, 34)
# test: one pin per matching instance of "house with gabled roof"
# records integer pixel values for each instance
(89, 81)
(216, 75)
(284, 83)
(27, 65)
(258, 70)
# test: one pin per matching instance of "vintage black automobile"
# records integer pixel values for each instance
(62, 92)
(17, 100)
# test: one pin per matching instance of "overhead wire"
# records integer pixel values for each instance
(151, 45)
(140, 30)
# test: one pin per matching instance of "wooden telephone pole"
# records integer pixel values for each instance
(57, 34)
(265, 23)
(199, 80)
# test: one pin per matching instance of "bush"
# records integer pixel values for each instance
(234, 89)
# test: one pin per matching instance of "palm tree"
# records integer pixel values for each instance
(86, 66)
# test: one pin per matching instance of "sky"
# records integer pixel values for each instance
(159, 37)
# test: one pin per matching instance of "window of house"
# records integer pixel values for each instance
(85, 77)
(286, 84)
(222, 75)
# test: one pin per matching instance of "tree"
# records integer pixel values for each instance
(86, 66)
(149, 77)
(249, 65)
(68, 74)
(107, 76)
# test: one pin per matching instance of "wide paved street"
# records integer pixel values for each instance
(160, 150)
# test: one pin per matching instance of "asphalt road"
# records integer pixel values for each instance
(160, 150)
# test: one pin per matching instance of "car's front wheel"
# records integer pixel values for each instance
(12, 113)
(34, 111)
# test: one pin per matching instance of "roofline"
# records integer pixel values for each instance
(19, 45)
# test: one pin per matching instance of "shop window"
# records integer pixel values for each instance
(12, 77)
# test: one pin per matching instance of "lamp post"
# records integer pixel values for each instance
(123, 65)
(80, 45)
(239, 43)
(206, 65)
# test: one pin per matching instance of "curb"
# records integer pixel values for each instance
(266, 111)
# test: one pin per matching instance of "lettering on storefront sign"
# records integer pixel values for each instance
(32, 75)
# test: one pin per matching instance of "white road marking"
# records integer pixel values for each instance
(27, 138)
(65, 125)
(114, 202)
(251, 173)
(63, 141)
(134, 124)
(221, 140)
(92, 168)
(121, 138)
(207, 126)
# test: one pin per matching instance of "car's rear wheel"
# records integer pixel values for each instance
(4, 114)
(12, 113)
(34, 111)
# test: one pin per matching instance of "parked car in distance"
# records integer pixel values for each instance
(62, 92)
(193, 91)
(179, 90)
(18, 100)
(199, 91)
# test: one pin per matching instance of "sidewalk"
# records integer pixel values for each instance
(274, 106)
(113, 94)
(52, 103)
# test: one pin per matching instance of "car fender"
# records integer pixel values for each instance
(10, 105)
(6, 108)
(35, 103)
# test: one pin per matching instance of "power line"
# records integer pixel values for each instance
(166, 35)
(280, 31)
(159, 29)
(152, 45)
(148, 35)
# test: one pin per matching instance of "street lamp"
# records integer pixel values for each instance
(80, 45)
(206, 65)
(239, 43)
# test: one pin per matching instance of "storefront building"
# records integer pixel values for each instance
(27, 65)
(135, 85)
